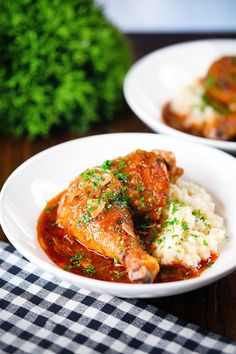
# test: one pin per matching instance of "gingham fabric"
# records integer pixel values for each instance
(41, 314)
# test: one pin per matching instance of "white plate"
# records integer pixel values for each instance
(152, 81)
(37, 180)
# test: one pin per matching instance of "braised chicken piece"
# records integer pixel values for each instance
(220, 81)
(146, 177)
(95, 210)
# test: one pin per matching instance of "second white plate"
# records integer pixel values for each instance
(154, 78)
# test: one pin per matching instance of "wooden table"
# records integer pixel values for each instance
(213, 306)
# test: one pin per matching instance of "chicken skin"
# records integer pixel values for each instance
(146, 178)
(95, 210)
(220, 80)
(100, 205)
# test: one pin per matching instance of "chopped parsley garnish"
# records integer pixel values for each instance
(95, 185)
(116, 260)
(87, 237)
(71, 266)
(196, 213)
(106, 165)
(169, 222)
(160, 240)
(88, 174)
(140, 188)
(122, 176)
(85, 218)
(90, 208)
(194, 235)
(77, 257)
(118, 274)
(210, 264)
(89, 270)
(121, 164)
(205, 243)
(74, 261)
(174, 207)
(218, 106)
(184, 226)
(99, 178)
(210, 82)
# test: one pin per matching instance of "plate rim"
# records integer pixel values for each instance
(177, 287)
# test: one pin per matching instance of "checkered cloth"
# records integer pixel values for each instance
(40, 314)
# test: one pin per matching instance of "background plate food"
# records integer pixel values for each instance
(152, 81)
(40, 178)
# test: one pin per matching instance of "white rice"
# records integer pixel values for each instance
(191, 231)
(188, 102)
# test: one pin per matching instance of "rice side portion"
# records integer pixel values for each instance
(188, 102)
(191, 231)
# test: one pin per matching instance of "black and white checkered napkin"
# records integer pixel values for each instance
(40, 314)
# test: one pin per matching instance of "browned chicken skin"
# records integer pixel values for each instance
(146, 178)
(98, 206)
(221, 75)
(95, 211)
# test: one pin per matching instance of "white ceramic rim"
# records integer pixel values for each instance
(172, 288)
(161, 127)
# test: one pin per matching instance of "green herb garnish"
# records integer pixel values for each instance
(116, 260)
(118, 274)
(219, 107)
(106, 165)
(89, 270)
(121, 165)
(160, 240)
(184, 226)
(140, 188)
(210, 82)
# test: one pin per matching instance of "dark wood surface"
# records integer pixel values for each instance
(212, 307)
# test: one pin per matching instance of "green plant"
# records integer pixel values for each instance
(61, 64)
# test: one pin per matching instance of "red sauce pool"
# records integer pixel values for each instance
(69, 254)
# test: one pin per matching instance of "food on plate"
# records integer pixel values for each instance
(207, 107)
(95, 211)
(190, 230)
(147, 174)
(131, 220)
(220, 81)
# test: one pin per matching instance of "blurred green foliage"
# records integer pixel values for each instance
(61, 64)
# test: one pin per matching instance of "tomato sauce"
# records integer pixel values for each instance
(69, 254)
